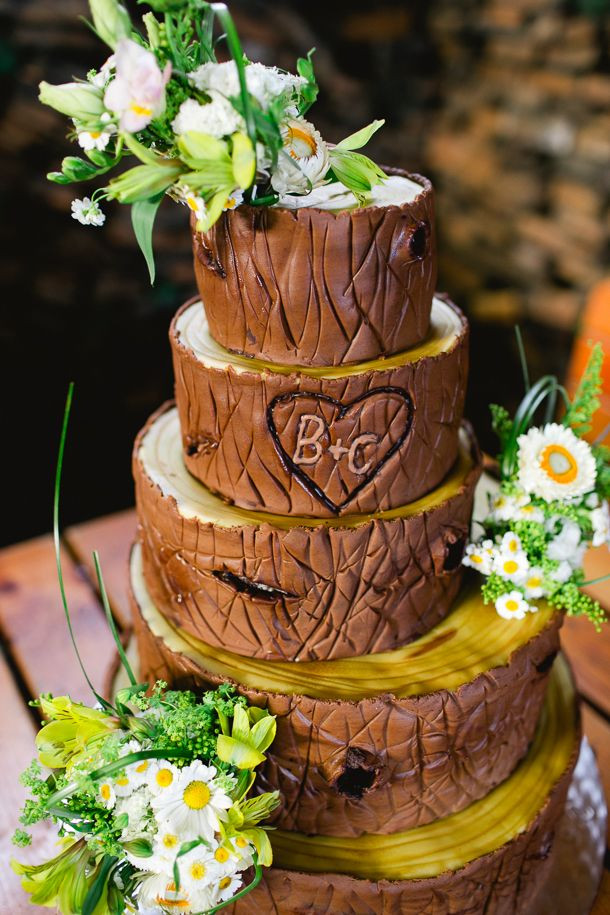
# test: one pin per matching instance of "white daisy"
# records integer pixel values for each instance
(106, 794)
(93, 139)
(191, 199)
(227, 887)
(554, 463)
(244, 850)
(511, 544)
(235, 200)
(199, 871)
(514, 507)
(512, 566)
(159, 891)
(512, 606)
(304, 160)
(217, 117)
(479, 556)
(87, 212)
(534, 583)
(600, 519)
(161, 776)
(194, 802)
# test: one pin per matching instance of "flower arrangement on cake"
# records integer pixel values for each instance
(552, 504)
(208, 134)
(150, 793)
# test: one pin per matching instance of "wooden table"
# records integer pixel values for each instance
(37, 657)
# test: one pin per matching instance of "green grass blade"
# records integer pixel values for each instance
(110, 619)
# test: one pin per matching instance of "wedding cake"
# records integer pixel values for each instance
(306, 561)
(303, 510)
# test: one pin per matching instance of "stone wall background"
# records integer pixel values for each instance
(504, 105)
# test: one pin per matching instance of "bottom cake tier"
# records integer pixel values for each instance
(491, 857)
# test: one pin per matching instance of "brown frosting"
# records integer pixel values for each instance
(316, 287)
(296, 443)
(297, 592)
(384, 764)
(501, 883)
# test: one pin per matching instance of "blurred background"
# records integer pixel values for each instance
(505, 105)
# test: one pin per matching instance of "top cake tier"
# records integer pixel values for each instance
(323, 282)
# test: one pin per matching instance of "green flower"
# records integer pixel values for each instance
(72, 729)
(59, 883)
(110, 21)
(245, 746)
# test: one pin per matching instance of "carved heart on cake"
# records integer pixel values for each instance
(333, 448)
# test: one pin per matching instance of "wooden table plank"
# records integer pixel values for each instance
(34, 627)
(17, 732)
(112, 537)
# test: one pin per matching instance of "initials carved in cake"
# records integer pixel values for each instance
(334, 448)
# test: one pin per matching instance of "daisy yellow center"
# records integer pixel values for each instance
(241, 842)
(302, 144)
(196, 795)
(142, 767)
(512, 606)
(122, 781)
(105, 792)
(476, 558)
(224, 883)
(534, 582)
(94, 134)
(513, 546)
(169, 840)
(140, 109)
(559, 464)
(198, 870)
(192, 203)
(221, 855)
(164, 778)
(510, 566)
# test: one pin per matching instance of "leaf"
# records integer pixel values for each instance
(143, 213)
(361, 137)
(309, 92)
(214, 208)
(97, 887)
(244, 160)
(141, 848)
(238, 753)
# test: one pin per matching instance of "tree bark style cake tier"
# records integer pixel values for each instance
(321, 442)
(289, 588)
(379, 743)
(313, 286)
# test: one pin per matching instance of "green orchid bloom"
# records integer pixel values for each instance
(72, 730)
(61, 882)
(81, 101)
(246, 745)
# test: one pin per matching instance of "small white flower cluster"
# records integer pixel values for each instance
(167, 807)
(87, 212)
(555, 466)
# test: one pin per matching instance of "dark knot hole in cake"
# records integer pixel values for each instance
(455, 544)
(253, 589)
(201, 444)
(360, 773)
(418, 241)
(545, 665)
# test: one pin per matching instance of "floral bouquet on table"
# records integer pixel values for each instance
(150, 794)
(208, 134)
(552, 503)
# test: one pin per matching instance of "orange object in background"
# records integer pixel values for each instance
(594, 328)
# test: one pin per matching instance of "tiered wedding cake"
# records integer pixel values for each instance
(303, 515)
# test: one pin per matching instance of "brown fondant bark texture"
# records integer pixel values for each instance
(303, 593)
(313, 287)
(383, 765)
(323, 447)
(503, 882)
